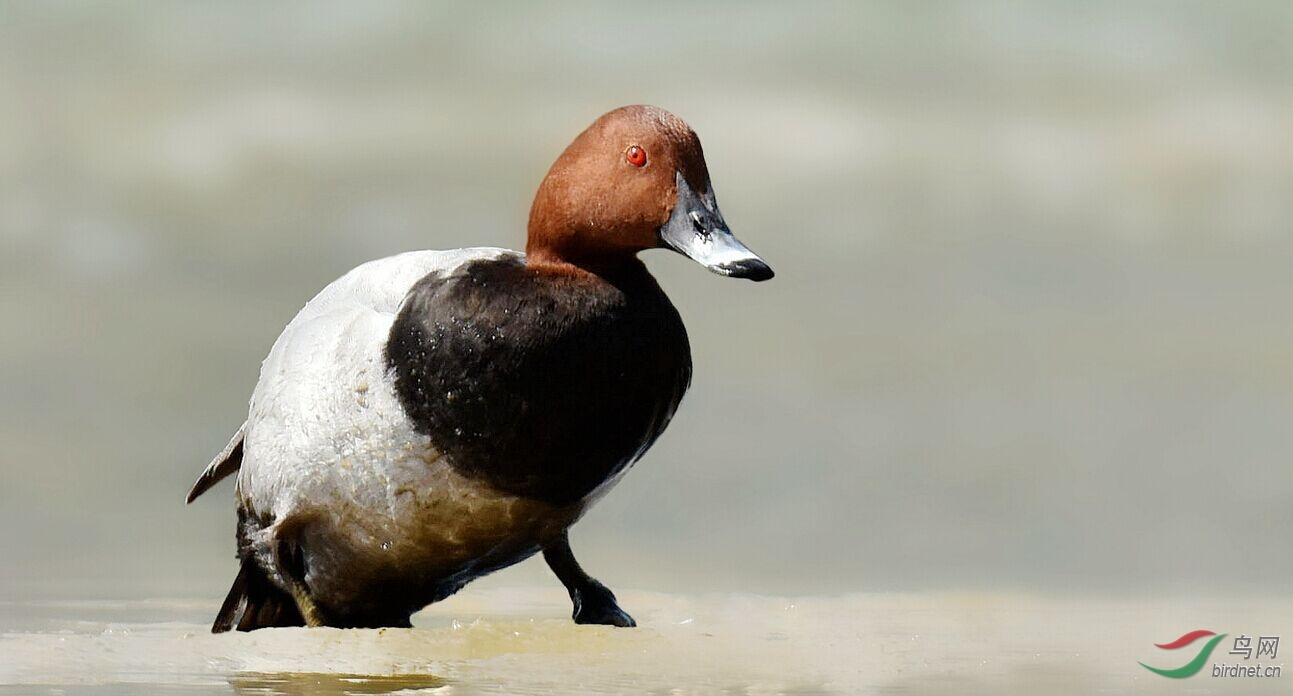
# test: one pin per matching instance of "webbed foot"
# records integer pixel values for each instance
(593, 602)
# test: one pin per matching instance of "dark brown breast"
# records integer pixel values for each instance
(543, 384)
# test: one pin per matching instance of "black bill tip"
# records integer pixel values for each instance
(753, 269)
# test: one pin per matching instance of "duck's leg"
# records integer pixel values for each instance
(291, 567)
(594, 603)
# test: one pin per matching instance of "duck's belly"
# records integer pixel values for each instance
(383, 532)
(414, 533)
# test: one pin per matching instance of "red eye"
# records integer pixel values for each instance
(636, 156)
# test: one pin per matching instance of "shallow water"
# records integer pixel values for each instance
(518, 641)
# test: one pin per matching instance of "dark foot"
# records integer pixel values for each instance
(289, 559)
(594, 603)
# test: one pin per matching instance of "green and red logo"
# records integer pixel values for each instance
(1193, 666)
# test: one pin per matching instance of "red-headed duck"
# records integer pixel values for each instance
(434, 416)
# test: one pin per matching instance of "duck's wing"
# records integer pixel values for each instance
(225, 463)
(323, 343)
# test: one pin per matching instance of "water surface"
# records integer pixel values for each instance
(518, 641)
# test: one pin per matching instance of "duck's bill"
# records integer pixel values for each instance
(696, 230)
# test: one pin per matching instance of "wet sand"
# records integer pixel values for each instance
(518, 641)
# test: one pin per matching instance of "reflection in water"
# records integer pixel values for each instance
(325, 684)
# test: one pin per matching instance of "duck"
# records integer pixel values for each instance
(434, 416)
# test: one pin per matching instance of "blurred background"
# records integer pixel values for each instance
(1029, 332)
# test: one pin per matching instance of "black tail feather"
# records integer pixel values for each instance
(255, 602)
(225, 463)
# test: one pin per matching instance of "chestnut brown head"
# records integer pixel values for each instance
(634, 180)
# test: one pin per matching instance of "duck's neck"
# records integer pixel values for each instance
(609, 268)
